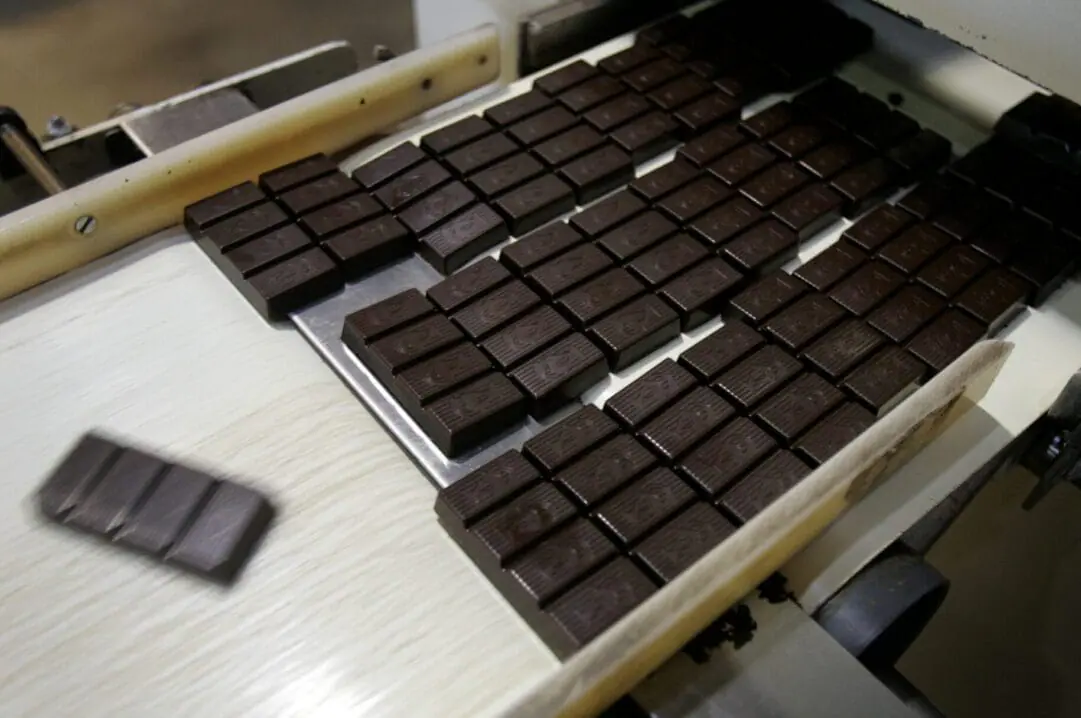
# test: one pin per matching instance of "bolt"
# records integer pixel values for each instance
(86, 225)
(382, 53)
(58, 127)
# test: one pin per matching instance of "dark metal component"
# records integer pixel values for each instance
(1054, 454)
(20, 152)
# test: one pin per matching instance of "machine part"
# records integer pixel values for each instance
(908, 694)
(881, 611)
(40, 241)
(170, 126)
(23, 151)
(556, 33)
(58, 127)
(382, 53)
(1054, 454)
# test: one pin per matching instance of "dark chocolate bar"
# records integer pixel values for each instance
(375, 172)
(470, 497)
(914, 247)
(617, 112)
(866, 184)
(843, 347)
(763, 247)
(652, 74)
(692, 418)
(757, 376)
(636, 330)
(832, 265)
(473, 414)
(408, 345)
(604, 469)
(798, 406)
(677, 93)
(720, 350)
(774, 184)
(647, 502)
(468, 284)
(425, 214)
(834, 433)
(886, 379)
(317, 193)
(524, 337)
(538, 247)
(798, 139)
(386, 316)
(294, 174)
(664, 180)
(478, 155)
(721, 224)
(564, 78)
(412, 184)
(568, 270)
(945, 339)
(726, 455)
(693, 199)
(876, 228)
(626, 60)
(769, 121)
(807, 318)
(810, 210)
(831, 159)
(232, 232)
(599, 296)
(558, 562)
(598, 173)
(647, 395)
(906, 312)
(770, 481)
(708, 147)
(565, 146)
(678, 544)
(422, 383)
(995, 298)
(647, 136)
(535, 203)
(508, 531)
(563, 442)
(741, 164)
(451, 137)
(867, 287)
(590, 93)
(495, 309)
(453, 243)
(633, 237)
(543, 125)
(262, 252)
(705, 112)
(503, 176)
(222, 205)
(517, 108)
(768, 295)
(667, 259)
(560, 374)
(292, 283)
(952, 270)
(607, 214)
(323, 223)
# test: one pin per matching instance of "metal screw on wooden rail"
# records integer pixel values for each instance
(23, 148)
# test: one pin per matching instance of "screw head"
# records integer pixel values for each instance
(86, 224)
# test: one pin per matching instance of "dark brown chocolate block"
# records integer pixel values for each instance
(386, 316)
(510, 530)
(478, 155)
(411, 184)
(878, 227)
(475, 494)
(586, 610)
(409, 345)
(692, 418)
(886, 379)
(740, 164)
(420, 384)
(1048, 260)
(726, 455)
(693, 199)
(924, 152)
(606, 214)
(317, 193)
(906, 312)
(830, 160)
(797, 140)
(538, 247)
(706, 148)
(535, 203)
(222, 205)
(888, 130)
(262, 252)
(559, 561)
(769, 121)
(832, 265)
(796, 326)
(561, 443)
(453, 243)
(1001, 240)
(953, 270)
(590, 93)
(599, 296)
(682, 541)
(636, 236)
(810, 210)
(667, 259)
(995, 298)
(506, 175)
(525, 337)
(969, 213)
(333, 218)
(570, 144)
(495, 309)
(679, 92)
(700, 293)
(653, 74)
(568, 270)
(466, 285)
(473, 414)
(565, 77)
(180, 516)
(454, 135)
(604, 469)
(914, 247)
(760, 488)
(598, 173)
(634, 511)
(774, 184)
(517, 108)
(543, 125)
(706, 112)
(720, 350)
(297, 173)
(843, 347)
(945, 339)
(931, 195)
(621, 110)
(626, 60)
(234, 231)
(647, 137)
(866, 184)
(664, 180)
(763, 247)
(291, 284)
(798, 406)
(757, 376)
(437, 207)
(867, 287)
(834, 433)
(768, 295)
(721, 224)
(560, 374)
(636, 403)
(375, 172)
(631, 333)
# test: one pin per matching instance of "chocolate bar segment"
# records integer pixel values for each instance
(538, 247)
(450, 245)
(607, 214)
(565, 77)
(563, 442)
(763, 247)
(631, 333)
(495, 309)
(665, 179)
(323, 223)
(832, 265)
(679, 92)
(292, 283)
(653, 74)
(568, 270)
(798, 139)
(475, 494)
(834, 433)
(322, 191)
(535, 203)
(798, 406)
(691, 419)
(906, 312)
(411, 184)
(647, 395)
(693, 199)
(561, 560)
(760, 488)
(945, 339)
(721, 349)
(636, 236)
(767, 296)
(604, 469)
(726, 455)
(478, 155)
(506, 175)
(249, 224)
(598, 173)
(706, 112)
(525, 337)
(224, 204)
(262, 252)
(774, 184)
(626, 60)
(473, 414)
(560, 374)
(647, 136)
(741, 164)
(843, 347)
(634, 511)
(769, 121)
(541, 126)
(599, 296)
(710, 146)
(510, 530)
(721, 224)
(566, 146)
(921, 154)
(386, 316)
(297, 173)
(868, 286)
(952, 270)
(375, 172)
(453, 136)
(467, 284)
(757, 376)
(682, 541)
(420, 384)
(799, 324)
(875, 229)
(914, 247)
(995, 298)
(621, 110)
(104, 508)
(392, 353)
(517, 108)
(590, 93)
(437, 207)
(667, 259)
(886, 379)
(866, 184)
(831, 159)
(810, 210)
(931, 195)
